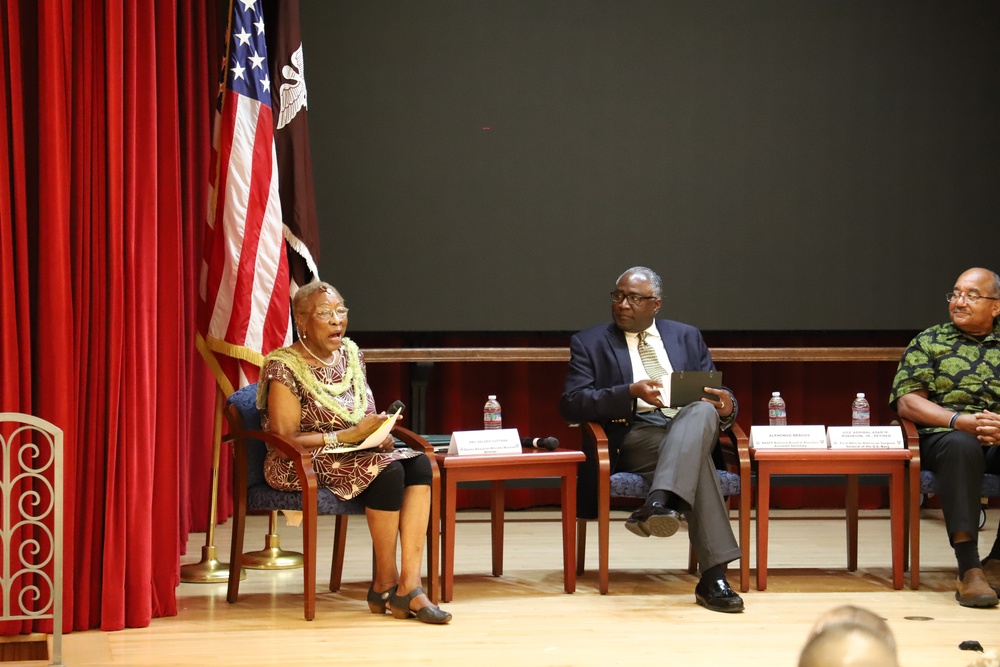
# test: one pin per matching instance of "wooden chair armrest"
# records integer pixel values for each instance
(735, 448)
(411, 439)
(417, 442)
(300, 457)
(912, 441)
(596, 437)
(742, 447)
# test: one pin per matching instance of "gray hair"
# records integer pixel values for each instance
(652, 276)
(996, 283)
(306, 292)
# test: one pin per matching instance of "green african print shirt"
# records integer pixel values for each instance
(958, 371)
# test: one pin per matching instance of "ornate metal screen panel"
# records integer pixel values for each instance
(31, 522)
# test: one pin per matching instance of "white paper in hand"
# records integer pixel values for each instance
(372, 441)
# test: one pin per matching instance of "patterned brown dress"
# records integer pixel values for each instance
(346, 474)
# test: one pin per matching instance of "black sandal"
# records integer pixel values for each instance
(400, 605)
(377, 601)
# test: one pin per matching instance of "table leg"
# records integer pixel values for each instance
(851, 484)
(568, 487)
(896, 510)
(763, 509)
(496, 521)
(448, 503)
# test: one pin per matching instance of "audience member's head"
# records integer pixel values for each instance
(849, 636)
(849, 614)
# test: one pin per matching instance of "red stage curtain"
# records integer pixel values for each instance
(15, 366)
(106, 110)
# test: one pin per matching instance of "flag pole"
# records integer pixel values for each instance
(298, 203)
(209, 570)
(235, 319)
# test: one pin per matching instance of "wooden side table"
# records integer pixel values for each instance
(852, 462)
(530, 463)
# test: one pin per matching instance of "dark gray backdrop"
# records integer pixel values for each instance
(493, 165)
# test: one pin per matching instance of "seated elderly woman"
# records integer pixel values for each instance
(315, 392)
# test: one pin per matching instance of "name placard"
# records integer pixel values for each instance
(865, 437)
(788, 437)
(494, 441)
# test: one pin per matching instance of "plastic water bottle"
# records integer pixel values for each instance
(861, 412)
(491, 414)
(776, 414)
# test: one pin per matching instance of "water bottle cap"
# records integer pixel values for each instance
(492, 397)
(861, 394)
(776, 393)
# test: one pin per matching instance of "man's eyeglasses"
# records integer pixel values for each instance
(969, 298)
(633, 299)
(326, 315)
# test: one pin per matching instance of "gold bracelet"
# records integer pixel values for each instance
(330, 439)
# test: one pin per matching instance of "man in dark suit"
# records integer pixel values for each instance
(614, 378)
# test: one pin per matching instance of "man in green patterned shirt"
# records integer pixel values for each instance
(948, 383)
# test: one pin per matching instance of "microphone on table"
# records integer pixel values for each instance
(549, 443)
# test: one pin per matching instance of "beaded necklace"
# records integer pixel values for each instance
(325, 394)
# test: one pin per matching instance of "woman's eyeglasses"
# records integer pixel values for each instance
(326, 314)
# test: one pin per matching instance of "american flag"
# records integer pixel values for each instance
(244, 285)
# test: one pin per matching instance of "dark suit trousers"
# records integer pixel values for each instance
(676, 456)
(958, 462)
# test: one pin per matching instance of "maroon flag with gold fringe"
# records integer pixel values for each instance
(291, 137)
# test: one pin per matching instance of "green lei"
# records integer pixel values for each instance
(325, 394)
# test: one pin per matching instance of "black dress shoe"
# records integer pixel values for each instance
(654, 519)
(716, 595)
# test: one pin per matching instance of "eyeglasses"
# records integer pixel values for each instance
(969, 298)
(633, 299)
(326, 314)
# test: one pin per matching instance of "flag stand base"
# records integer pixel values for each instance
(208, 570)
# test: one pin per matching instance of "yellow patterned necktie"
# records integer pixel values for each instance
(649, 361)
(653, 368)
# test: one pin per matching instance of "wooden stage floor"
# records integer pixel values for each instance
(524, 617)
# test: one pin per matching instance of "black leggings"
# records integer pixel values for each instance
(386, 490)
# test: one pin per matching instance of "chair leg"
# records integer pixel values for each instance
(236, 552)
(692, 560)
(309, 557)
(581, 546)
(744, 526)
(906, 522)
(339, 545)
(913, 524)
(603, 540)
